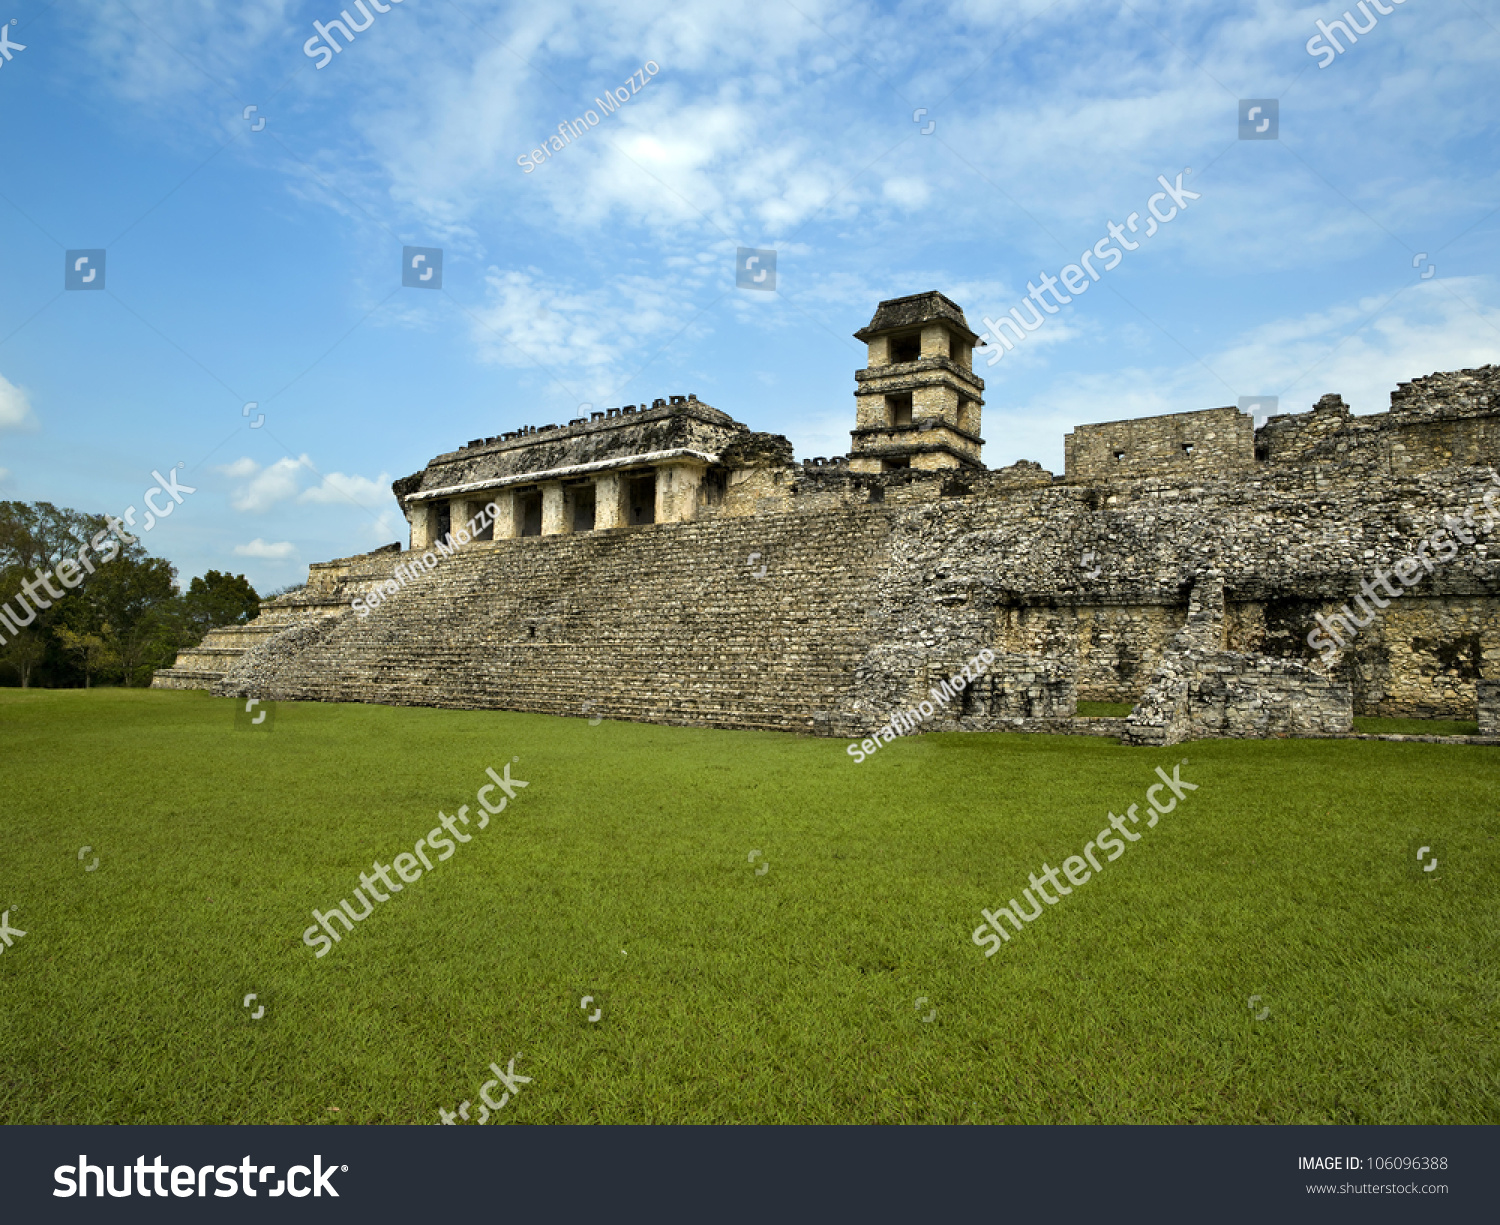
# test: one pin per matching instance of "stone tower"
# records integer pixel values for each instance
(917, 403)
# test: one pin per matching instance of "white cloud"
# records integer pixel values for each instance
(265, 549)
(15, 407)
(266, 486)
(338, 488)
(260, 489)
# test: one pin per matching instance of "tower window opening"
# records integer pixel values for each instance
(906, 348)
(899, 408)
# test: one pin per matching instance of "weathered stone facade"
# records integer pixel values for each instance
(667, 563)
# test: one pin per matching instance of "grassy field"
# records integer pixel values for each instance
(797, 993)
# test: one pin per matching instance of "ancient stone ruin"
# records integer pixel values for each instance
(664, 562)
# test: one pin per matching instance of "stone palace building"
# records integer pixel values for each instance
(665, 562)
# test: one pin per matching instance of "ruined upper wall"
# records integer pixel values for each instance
(1445, 419)
(1212, 441)
(686, 422)
(1433, 422)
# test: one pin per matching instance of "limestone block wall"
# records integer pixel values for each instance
(1226, 694)
(1188, 445)
(875, 584)
(1440, 421)
(1112, 648)
(667, 623)
(1003, 567)
(1015, 687)
(1489, 708)
(1423, 657)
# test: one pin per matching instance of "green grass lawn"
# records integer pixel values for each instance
(1380, 726)
(623, 872)
(1117, 710)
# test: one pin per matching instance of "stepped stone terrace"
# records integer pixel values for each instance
(666, 562)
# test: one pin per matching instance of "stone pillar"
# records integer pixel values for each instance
(555, 519)
(1487, 697)
(506, 527)
(609, 502)
(460, 511)
(423, 520)
(677, 487)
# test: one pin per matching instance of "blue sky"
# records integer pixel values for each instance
(264, 265)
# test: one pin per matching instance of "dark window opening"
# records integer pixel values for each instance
(1119, 454)
(969, 701)
(642, 494)
(898, 407)
(906, 348)
(529, 512)
(444, 521)
(1187, 448)
(715, 484)
(898, 464)
(487, 532)
(583, 508)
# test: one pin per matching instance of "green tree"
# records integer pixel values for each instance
(33, 538)
(91, 651)
(219, 599)
(23, 652)
(133, 601)
(127, 614)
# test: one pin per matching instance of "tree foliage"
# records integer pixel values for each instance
(121, 623)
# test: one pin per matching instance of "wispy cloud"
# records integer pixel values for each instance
(264, 549)
(15, 407)
(265, 487)
(356, 490)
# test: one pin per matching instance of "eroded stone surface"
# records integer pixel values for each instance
(819, 597)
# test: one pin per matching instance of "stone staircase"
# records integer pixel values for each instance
(668, 623)
(203, 666)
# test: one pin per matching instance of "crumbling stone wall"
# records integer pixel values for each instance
(875, 584)
(1200, 689)
(1489, 708)
(1443, 420)
(1214, 440)
(864, 604)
